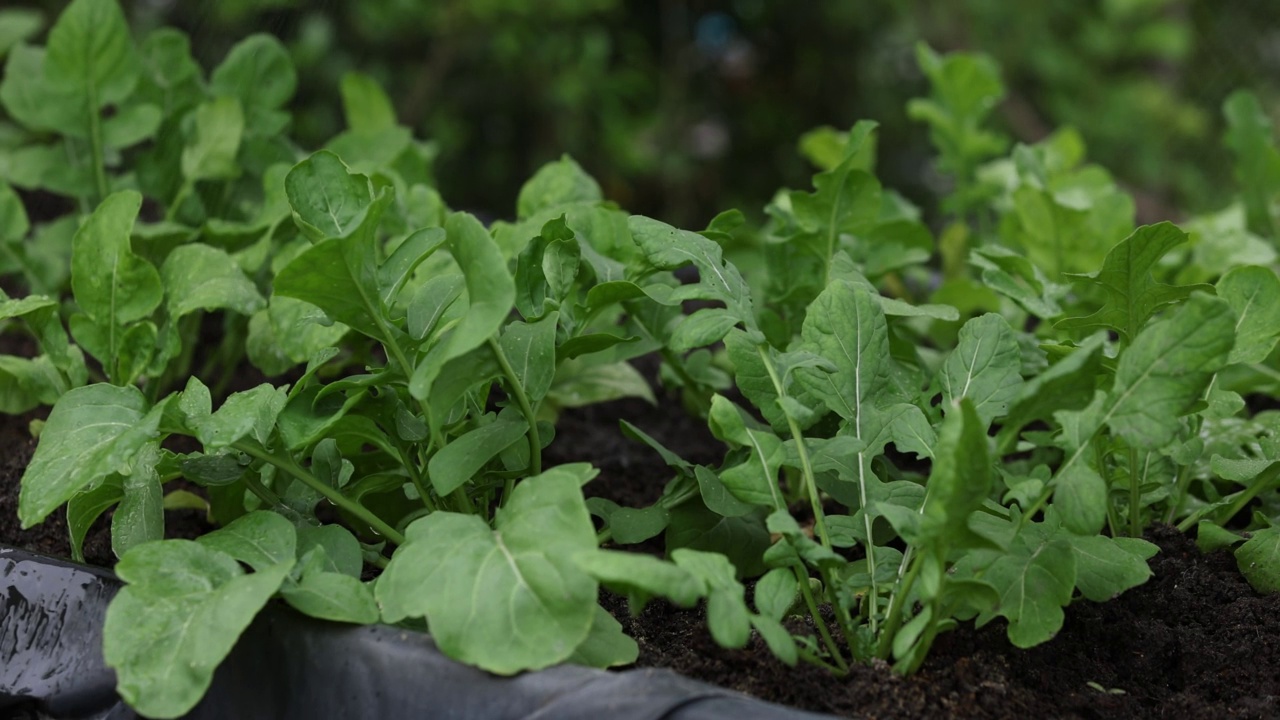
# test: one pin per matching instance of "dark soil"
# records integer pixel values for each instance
(1194, 642)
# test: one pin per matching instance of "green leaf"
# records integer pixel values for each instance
(635, 525)
(846, 326)
(702, 328)
(1080, 497)
(342, 552)
(180, 614)
(912, 431)
(984, 367)
(1259, 560)
(261, 539)
(212, 470)
(1133, 296)
(397, 269)
(1254, 295)
(91, 432)
(289, 332)
(606, 646)
(211, 155)
(85, 508)
(776, 591)
(642, 576)
(140, 515)
(752, 377)
(966, 87)
(777, 638)
(130, 126)
(669, 249)
(199, 277)
(171, 78)
(1166, 369)
(742, 539)
(248, 413)
(578, 384)
(1068, 384)
(756, 480)
(728, 617)
(259, 73)
(1211, 536)
(91, 54)
(328, 201)
(960, 480)
(430, 303)
(26, 383)
(322, 593)
(1035, 580)
(39, 105)
(16, 25)
(556, 184)
(717, 497)
(366, 107)
(1106, 567)
(1250, 137)
(530, 605)
(337, 277)
(111, 284)
(490, 295)
(801, 547)
(531, 350)
(456, 463)
(1015, 277)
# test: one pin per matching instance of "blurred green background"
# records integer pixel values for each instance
(682, 108)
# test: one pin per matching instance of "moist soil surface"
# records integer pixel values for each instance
(1193, 642)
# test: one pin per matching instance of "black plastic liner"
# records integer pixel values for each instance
(290, 666)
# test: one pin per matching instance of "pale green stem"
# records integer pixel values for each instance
(95, 146)
(1264, 481)
(1135, 495)
(291, 467)
(526, 409)
(802, 578)
(806, 467)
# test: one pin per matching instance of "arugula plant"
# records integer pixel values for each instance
(202, 163)
(918, 432)
(1036, 441)
(437, 449)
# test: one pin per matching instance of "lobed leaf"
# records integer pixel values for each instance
(530, 604)
(179, 615)
(1133, 296)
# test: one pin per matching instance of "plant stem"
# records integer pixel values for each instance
(1113, 520)
(802, 578)
(843, 620)
(893, 620)
(290, 466)
(700, 396)
(526, 409)
(171, 215)
(806, 467)
(1135, 495)
(1265, 480)
(95, 146)
(815, 660)
(266, 494)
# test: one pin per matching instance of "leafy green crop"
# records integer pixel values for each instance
(918, 430)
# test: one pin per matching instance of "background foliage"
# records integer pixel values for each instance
(683, 107)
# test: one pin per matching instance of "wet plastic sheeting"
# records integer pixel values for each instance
(288, 666)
